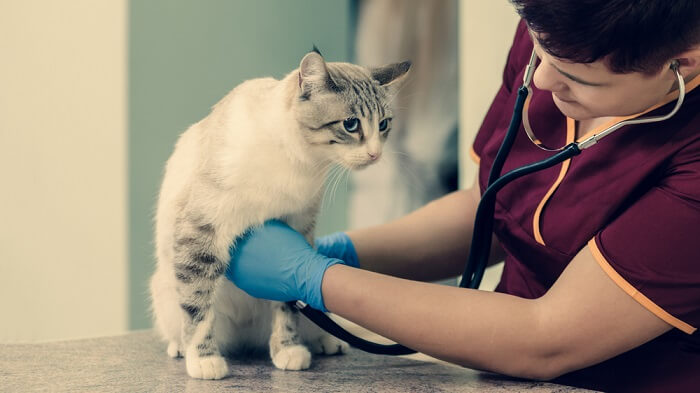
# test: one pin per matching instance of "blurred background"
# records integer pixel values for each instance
(94, 94)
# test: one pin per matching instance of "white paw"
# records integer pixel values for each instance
(208, 367)
(328, 345)
(174, 350)
(295, 357)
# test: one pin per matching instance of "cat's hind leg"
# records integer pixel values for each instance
(198, 268)
(286, 348)
(167, 315)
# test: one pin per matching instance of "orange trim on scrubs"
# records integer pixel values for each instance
(636, 295)
(570, 134)
(475, 157)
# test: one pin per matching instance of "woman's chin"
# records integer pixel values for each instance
(571, 109)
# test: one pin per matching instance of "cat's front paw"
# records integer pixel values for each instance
(328, 345)
(175, 350)
(294, 357)
(206, 367)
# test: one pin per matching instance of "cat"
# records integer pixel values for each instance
(263, 152)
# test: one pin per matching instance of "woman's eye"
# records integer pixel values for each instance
(351, 124)
(383, 125)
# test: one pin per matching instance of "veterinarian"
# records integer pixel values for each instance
(601, 284)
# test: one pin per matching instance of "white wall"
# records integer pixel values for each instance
(486, 30)
(62, 169)
(486, 33)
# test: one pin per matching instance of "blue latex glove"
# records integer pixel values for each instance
(338, 245)
(275, 262)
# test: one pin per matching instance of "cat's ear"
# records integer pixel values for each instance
(313, 74)
(392, 76)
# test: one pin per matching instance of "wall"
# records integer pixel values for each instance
(486, 33)
(62, 169)
(183, 57)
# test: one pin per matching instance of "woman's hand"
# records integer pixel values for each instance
(275, 262)
(338, 245)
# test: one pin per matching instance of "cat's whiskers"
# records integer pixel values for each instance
(324, 169)
(336, 181)
(341, 175)
(327, 183)
(342, 178)
(347, 178)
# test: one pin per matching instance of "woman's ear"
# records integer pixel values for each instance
(689, 62)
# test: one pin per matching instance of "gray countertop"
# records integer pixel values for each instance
(137, 362)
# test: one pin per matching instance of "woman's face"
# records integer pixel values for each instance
(587, 91)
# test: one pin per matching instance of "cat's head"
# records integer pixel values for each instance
(344, 110)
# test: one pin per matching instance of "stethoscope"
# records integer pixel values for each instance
(483, 224)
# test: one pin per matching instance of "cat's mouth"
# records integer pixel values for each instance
(355, 163)
(361, 165)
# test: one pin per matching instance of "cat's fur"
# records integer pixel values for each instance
(262, 153)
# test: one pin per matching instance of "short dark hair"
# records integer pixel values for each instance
(630, 35)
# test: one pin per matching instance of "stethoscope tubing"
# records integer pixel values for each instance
(326, 323)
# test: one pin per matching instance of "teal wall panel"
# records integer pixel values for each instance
(183, 57)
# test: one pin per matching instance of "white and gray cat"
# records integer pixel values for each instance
(263, 152)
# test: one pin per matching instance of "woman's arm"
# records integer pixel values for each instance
(585, 318)
(432, 243)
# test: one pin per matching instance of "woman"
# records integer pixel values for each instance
(601, 285)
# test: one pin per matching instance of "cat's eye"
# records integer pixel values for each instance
(384, 124)
(351, 125)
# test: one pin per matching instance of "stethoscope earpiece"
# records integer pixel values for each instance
(675, 64)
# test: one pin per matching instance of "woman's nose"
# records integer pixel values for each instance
(548, 78)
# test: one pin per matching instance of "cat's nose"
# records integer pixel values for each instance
(373, 156)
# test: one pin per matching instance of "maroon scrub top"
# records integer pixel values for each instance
(633, 199)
